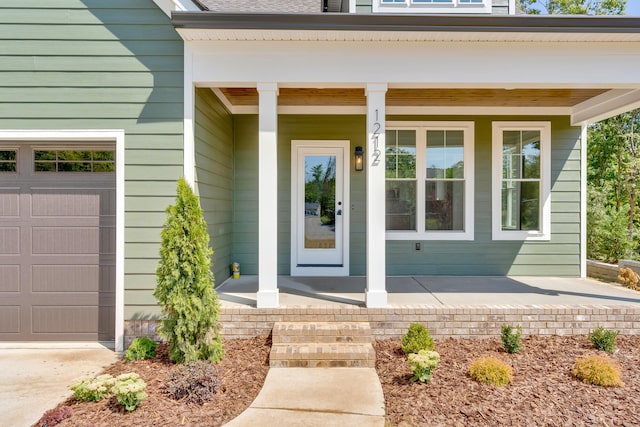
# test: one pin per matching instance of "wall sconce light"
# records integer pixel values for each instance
(359, 158)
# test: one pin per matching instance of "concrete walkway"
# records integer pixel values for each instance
(322, 397)
(34, 380)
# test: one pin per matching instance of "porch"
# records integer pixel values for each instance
(448, 306)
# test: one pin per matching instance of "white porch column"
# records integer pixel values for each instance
(267, 195)
(376, 293)
(583, 201)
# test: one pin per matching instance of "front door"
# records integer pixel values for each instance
(319, 208)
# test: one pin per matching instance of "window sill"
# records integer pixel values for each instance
(521, 236)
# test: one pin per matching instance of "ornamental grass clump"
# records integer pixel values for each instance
(598, 370)
(185, 288)
(195, 382)
(129, 390)
(604, 339)
(492, 371)
(422, 365)
(141, 348)
(511, 338)
(417, 338)
(88, 389)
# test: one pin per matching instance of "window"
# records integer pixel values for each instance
(432, 6)
(73, 161)
(521, 181)
(429, 180)
(8, 160)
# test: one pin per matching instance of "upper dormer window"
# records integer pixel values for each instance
(432, 6)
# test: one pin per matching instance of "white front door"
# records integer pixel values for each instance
(319, 208)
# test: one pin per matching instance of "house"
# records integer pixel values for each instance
(448, 139)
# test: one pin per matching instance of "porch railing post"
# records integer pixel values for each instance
(267, 296)
(376, 293)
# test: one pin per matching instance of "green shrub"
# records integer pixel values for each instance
(492, 371)
(141, 348)
(598, 370)
(129, 390)
(604, 339)
(185, 289)
(511, 338)
(196, 382)
(88, 389)
(417, 338)
(422, 364)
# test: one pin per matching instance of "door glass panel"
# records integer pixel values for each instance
(320, 202)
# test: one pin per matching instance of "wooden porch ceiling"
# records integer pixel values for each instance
(420, 97)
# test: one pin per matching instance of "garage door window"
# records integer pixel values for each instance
(74, 161)
(8, 160)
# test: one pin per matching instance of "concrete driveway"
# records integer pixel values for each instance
(35, 379)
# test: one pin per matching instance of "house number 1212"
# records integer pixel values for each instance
(376, 153)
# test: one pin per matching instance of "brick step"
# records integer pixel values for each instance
(321, 332)
(321, 344)
(322, 355)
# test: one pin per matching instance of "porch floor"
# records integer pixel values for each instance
(434, 291)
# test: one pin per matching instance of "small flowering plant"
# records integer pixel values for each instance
(87, 389)
(422, 364)
(129, 390)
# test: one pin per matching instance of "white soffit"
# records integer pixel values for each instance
(405, 36)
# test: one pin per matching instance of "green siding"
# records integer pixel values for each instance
(95, 64)
(214, 176)
(482, 256)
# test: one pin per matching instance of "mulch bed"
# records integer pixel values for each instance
(242, 371)
(543, 391)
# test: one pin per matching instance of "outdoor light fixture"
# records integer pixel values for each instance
(359, 158)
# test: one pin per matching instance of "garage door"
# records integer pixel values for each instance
(57, 243)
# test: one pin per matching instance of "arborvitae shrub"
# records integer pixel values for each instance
(417, 338)
(141, 348)
(598, 370)
(492, 371)
(185, 288)
(511, 338)
(604, 339)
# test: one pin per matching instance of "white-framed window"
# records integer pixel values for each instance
(521, 165)
(432, 6)
(429, 180)
(8, 160)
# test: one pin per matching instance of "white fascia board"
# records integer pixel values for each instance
(603, 106)
(180, 5)
(450, 64)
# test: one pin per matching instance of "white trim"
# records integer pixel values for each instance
(398, 110)
(225, 101)
(512, 7)
(608, 104)
(583, 201)
(94, 135)
(376, 292)
(267, 296)
(545, 181)
(421, 128)
(189, 144)
(345, 145)
(179, 5)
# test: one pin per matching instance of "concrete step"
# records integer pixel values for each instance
(321, 344)
(321, 332)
